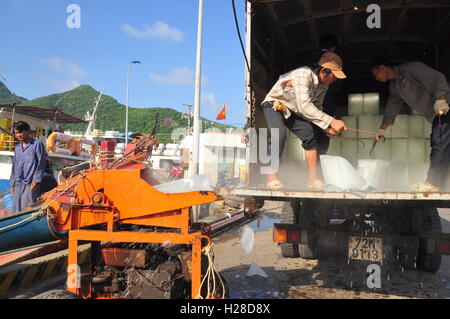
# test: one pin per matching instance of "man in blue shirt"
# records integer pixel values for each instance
(27, 169)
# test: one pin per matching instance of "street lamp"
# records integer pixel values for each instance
(126, 102)
(196, 133)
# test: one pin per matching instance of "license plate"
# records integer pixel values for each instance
(365, 248)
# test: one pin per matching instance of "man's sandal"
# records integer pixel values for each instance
(317, 185)
(424, 187)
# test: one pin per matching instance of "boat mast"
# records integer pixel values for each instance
(91, 118)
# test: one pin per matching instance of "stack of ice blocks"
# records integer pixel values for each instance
(407, 146)
(293, 152)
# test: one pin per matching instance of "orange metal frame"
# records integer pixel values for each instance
(126, 198)
(75, 236)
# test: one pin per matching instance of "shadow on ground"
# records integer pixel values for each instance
(332, 278)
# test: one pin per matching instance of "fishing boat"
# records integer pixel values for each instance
(43, 122)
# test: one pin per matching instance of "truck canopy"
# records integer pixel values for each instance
(283, 35)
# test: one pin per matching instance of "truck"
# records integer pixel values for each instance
(392, 224)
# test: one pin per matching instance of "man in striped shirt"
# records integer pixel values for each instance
(296, 103)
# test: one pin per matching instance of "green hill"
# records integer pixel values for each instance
(111, 114)
(7, 97)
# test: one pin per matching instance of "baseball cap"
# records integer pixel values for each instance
(332, 61)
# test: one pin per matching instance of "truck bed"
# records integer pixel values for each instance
(438, 199)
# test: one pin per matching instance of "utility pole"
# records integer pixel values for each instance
(189, 116)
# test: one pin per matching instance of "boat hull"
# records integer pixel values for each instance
(20, 231)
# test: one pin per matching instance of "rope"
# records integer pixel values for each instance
(34, 215)
(210, 276)
(59, 177)
(44, 210)
(82, 175)
(106, 155)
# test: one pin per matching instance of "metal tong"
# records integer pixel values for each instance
(358, 140)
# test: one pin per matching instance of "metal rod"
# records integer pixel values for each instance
(350, 139)
(12, 117)
(362, 131)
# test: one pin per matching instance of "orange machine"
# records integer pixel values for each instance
(140, 237)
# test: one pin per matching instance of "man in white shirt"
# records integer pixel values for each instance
(296, 103)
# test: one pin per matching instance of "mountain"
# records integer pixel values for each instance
(7, 97)
(111, 114)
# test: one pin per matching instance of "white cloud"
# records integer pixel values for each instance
(208, 99)
(60, 85)
(64, 66)
(180, 76)
(157, 30)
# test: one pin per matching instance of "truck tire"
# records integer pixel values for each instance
(400, 223)
(431, 225)
(305, 216)
(57, 294)
(307, 251)
(407, 257)
(289, 215)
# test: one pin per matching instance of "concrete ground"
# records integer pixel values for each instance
(328, 278)
(295, 278)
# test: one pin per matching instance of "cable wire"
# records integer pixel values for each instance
(239, 34)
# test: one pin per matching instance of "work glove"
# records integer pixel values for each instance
(277, 106)
(441, 107)
(379, 137)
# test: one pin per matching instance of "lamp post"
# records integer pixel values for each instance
(126, 101)
(196, 133)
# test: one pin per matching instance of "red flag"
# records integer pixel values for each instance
(223, 114)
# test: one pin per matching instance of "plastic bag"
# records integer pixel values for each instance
(255, 270)
(247, 239)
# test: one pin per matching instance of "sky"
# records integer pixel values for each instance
(46, 48)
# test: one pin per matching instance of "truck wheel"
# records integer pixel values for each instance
(307, 251)
(407, 257)
(289, 215)
(431, 225)
(305, 216)
(399, 222)
(57, 294)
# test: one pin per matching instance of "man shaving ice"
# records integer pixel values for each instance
(295, 102)
(426, 91)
